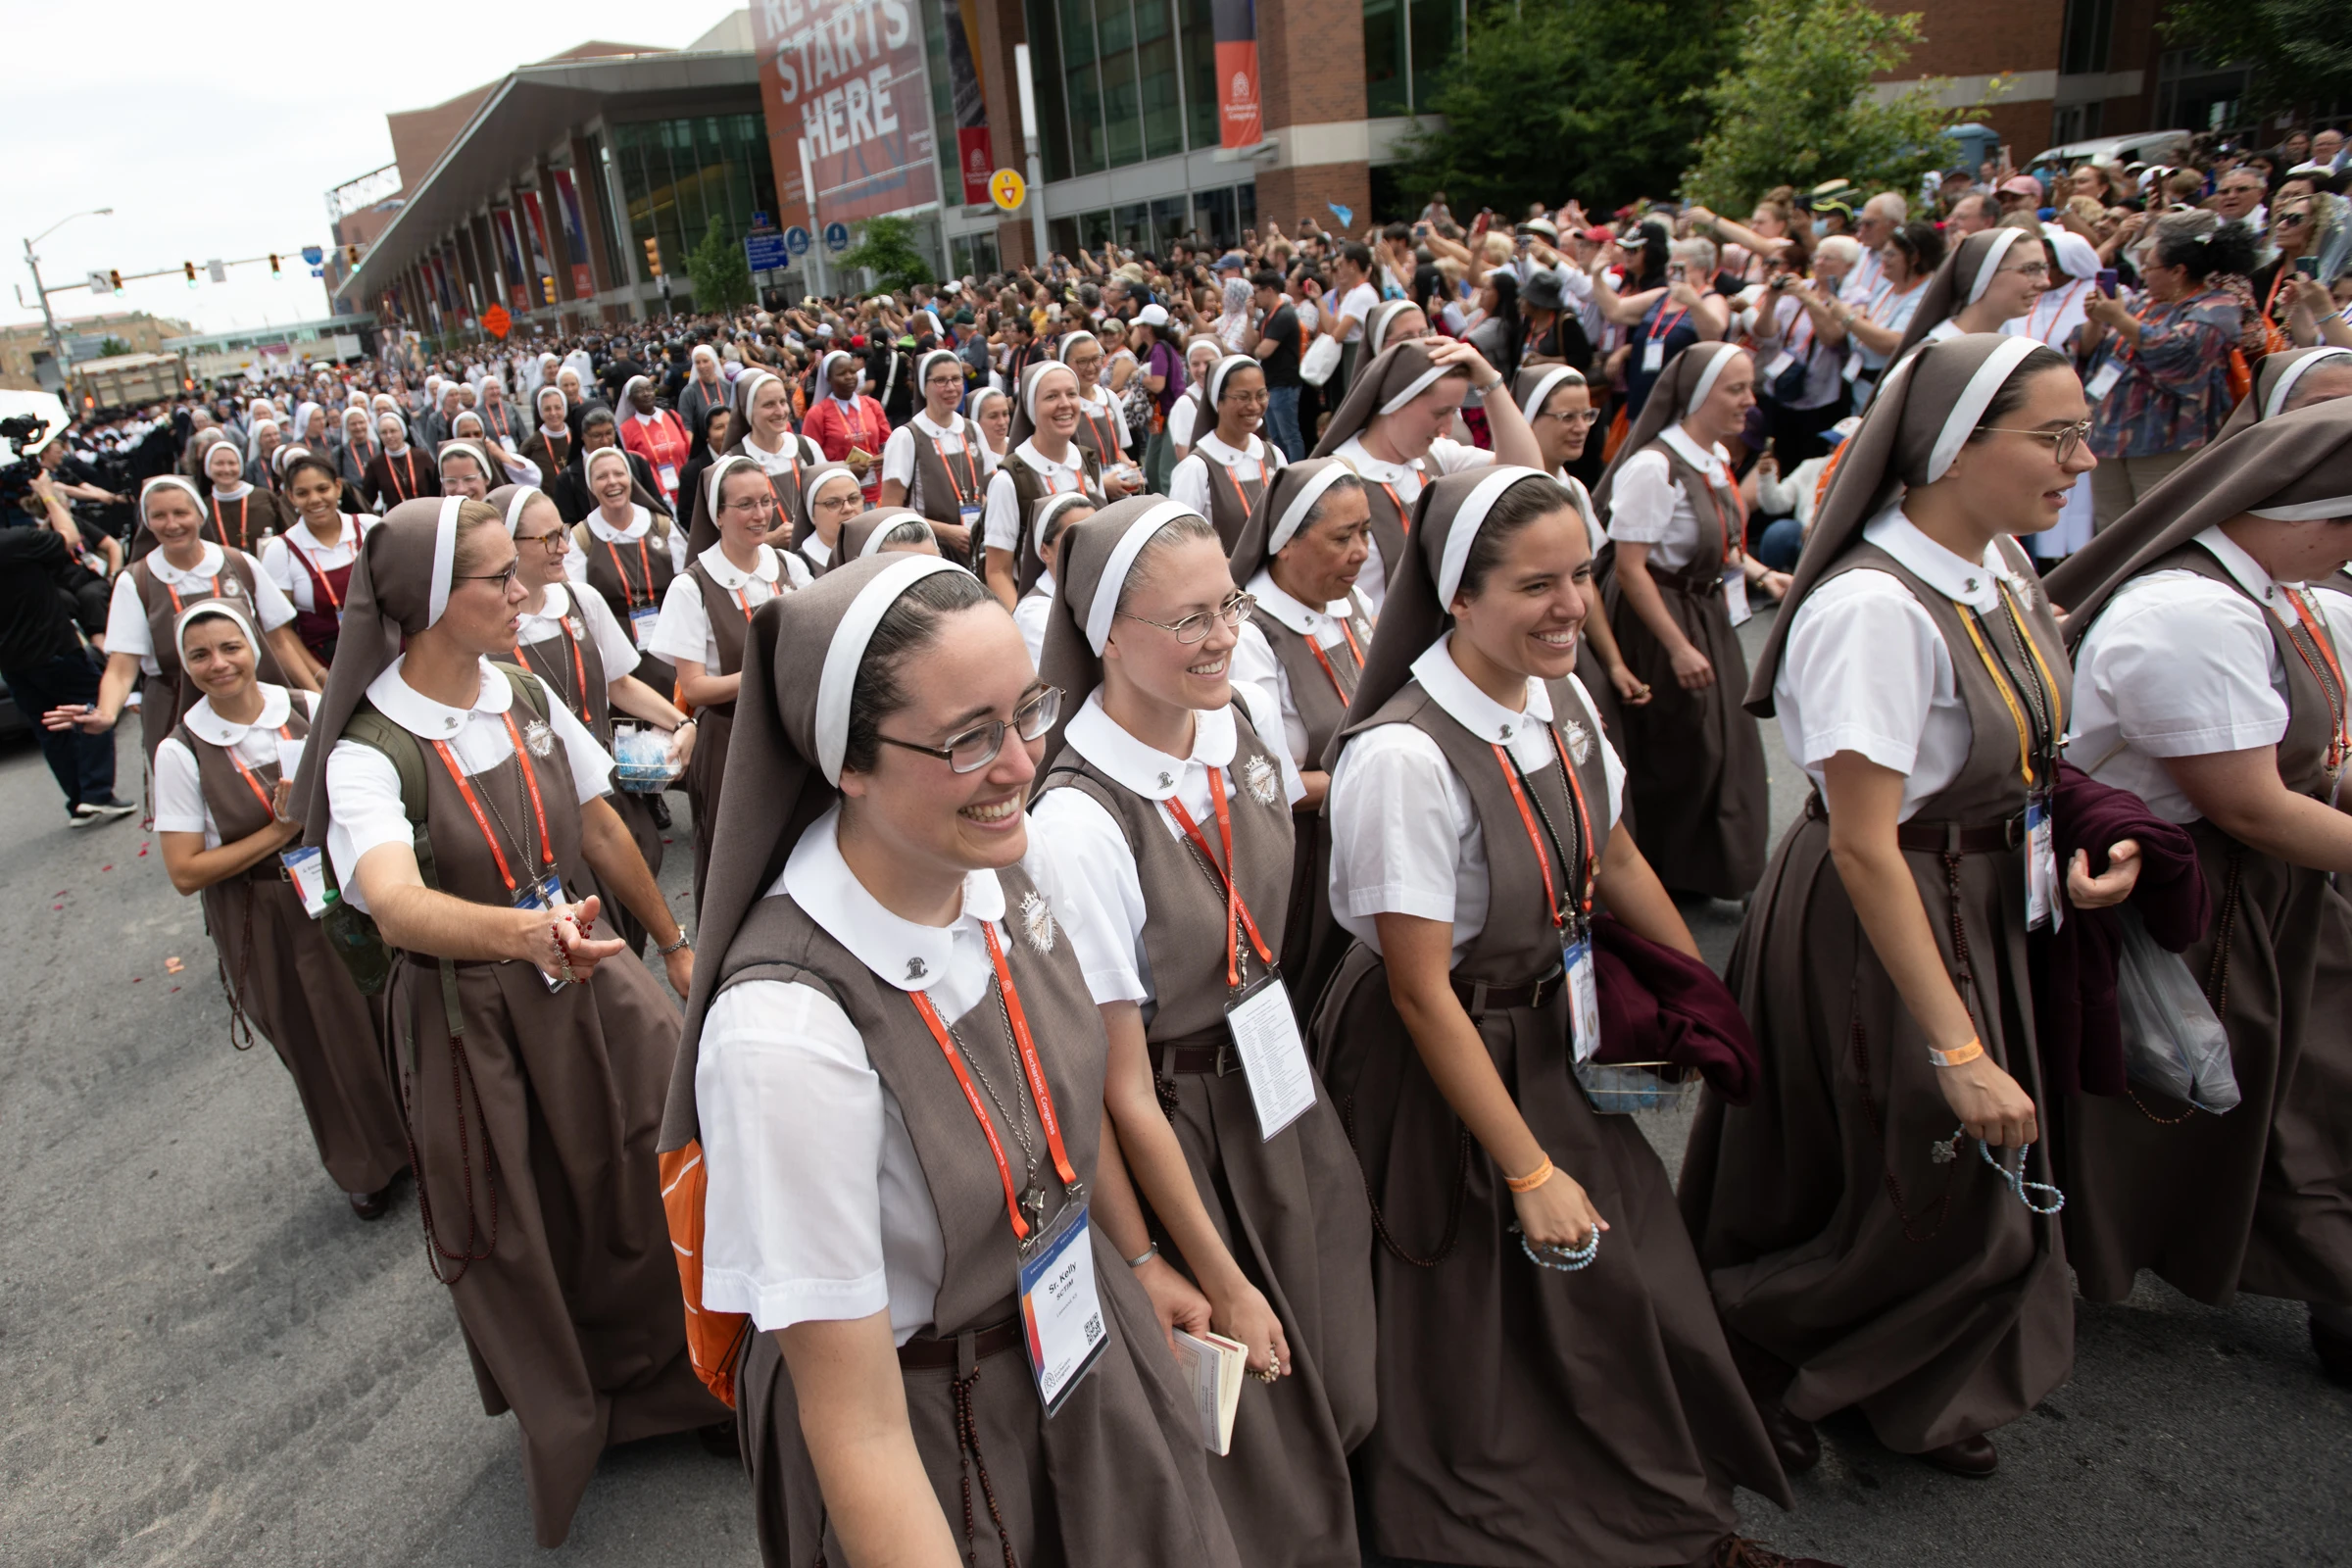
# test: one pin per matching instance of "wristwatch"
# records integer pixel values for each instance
(1491, 385)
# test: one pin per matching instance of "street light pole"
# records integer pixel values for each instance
(1037, 177)
(57, 343)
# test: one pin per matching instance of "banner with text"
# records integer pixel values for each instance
(1239, 120)
(852, 78)
(960, 21)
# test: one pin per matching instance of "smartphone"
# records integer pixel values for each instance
(2308, 267)
(2107, 282)
(1674, 274)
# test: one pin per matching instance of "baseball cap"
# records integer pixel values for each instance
(2025, 185)
(1543, 227)
(1151, 316)
(1231, 261)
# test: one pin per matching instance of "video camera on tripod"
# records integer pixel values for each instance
(26, 434)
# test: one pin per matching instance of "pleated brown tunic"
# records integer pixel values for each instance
(707, 768)
(572, 668)
(1693, 761)
(1117, 1476)
(165, 696)
(1290, 1208)
(1920, 1291)
(534, 1120)
(1528, 1417)
(2259, 1199)
(283, 974)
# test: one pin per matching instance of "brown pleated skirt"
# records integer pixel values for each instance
(1694, 764)
(1942, 1312)
(637, 813)
(1312, 942)
(1611, 708)
(1528, 1417)
(534, 1138)
(705, 770)
(284, 975)
(2259, 1198)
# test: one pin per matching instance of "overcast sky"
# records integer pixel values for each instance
(222, 137)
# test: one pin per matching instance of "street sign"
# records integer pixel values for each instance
(313, 255)
(496, 322)
(765, 251)
(796, 240)
(219, 270)
(99, 283)
(762, 221)
(837, 238)
(1008, 189)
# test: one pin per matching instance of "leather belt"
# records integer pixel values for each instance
(1206, 1053)
(425, 961)
(1945, 838)
(1694, 581)
(924, 1353)
(1479, 998)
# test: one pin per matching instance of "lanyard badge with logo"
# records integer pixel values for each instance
(546, 890)
(1265, 1031)
(2039, 721)
(1061, 1310)
(1571, 915)
(643, 618)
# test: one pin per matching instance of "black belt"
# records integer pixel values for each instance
(1946, 838)
(427, 961)
(1479, 998)
(1694, 581)
(1206, 1053)
(926, 1353)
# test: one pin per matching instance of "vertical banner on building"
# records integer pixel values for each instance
(960, 22)
(518, 297)
(543, 260)
(575, 232)
(850, 77)
(1239, 121)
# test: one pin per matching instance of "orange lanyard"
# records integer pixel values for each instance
(1237, 913)
(971, 470)
(1031, 1068)
(407, 463)
(629, 595)
(1239, 494)
(2338, 742)
(319, 583)
(284, 732)
(1584, 831)
(1405, 513)
(1316, 649)
(176, 607)
(220, 519)
(743, 600)
(579, 671)
(1731, 557)
(547, 852)
(1664, 326)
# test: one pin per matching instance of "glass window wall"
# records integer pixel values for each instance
(682, 177)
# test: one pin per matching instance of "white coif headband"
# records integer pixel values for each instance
(514, 505)
(1559, 375)
(839, 677)
(717, 476)
(1223, 368)
(2333, 507)
(1467, 521)
(445, 558)
(890, 524)
(1706, 377)
(1415, 388)
(1961, 422)
(1037, 380)
(1294, 516)
(2003, 240)
(2287, 383)
(210, 607)
(178, 484)
(1105, 605)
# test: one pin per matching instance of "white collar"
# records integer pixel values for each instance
(728, 576)
(654, 418)
(783, 454)
(1372, 467)
(1702, 459)
(1209, 446)
(1027, 452)
(207, 567)
(556, 432)
(2246, 569)
(1482, 715)
(640, 521)
(817, 550)
(899, 951)
(423, 717)
(207, 725)
(224, 492)
(922, 418)
(1293, 613)
(557, 605)
(1144, 770)
(301, 536)
(1973, 583)
(1043, 588)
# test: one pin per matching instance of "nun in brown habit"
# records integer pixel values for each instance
(1044, 458)
(1863, 1247)
(888, 530)
(765, 435)
(2202, 636)
(217, 798)
(830, 498)
(1308, 632)
(2286, 381)
(1169, 817)
(532, 1071)
(1991, 276)
(1549, 1392)
(824, 1173)
(1693, 760)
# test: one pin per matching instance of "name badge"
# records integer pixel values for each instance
(2103, 382)
(669, 476)
(1780, 363)
(1852, 370)
(1584, 997)
(1654, 357)
(1061, 1314)
(306, 868)
(642, 623)
(2041, 865)
(1265, 1032)
(1735, 594)
(971, 512)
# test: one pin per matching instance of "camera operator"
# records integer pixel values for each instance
(42, 656)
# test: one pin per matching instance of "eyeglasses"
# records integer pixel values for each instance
(504, 580)
(751, 506)
(979, 746)
(552, 541)
(1193, 628)
(845, 505)
(2290, 219)
(2067, 439)
(2030, 270)
(1574, 417)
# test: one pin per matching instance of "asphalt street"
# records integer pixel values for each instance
(206, 1359)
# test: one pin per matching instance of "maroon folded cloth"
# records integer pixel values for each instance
(2076, 1020)
(1658, 1006)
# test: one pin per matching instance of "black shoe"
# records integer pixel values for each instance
(1973, 1457)
(660, 808)
(91, 813)
(371, 1205)
(720, 1442)
(1793, 1438)
(2334, 1348)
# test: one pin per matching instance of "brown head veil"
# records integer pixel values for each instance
(803, 524)
(800, 663)
(398, 587)
(1681, 387)
(1385, 384)
(1447, 517)
(1961, 280)
(1531, 387)
(1281, 512)
(1098, 553)
(2275, 382)
(2295, 468)
(1926, 410)
(862, 536)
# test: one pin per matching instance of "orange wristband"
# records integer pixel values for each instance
(1533, 1179)
(1956, 1058)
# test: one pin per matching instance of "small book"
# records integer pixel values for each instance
(1212, 1365)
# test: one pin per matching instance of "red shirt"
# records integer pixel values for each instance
(835, 432)
(662, 442)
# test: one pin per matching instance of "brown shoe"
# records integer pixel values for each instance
(371, 1205)
(1973, 1457)
(1793, 1437)
(1739, 1552)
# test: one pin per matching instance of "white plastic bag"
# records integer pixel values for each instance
(1320, 361)
(2171, 1040)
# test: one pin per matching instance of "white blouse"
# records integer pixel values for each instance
(684, 630)
(1036, 606)
(279, 565)
(126, 613)
(1404, 832)
(2178, 664)
(1001, 524)
(1191, 482)
(179, 803)
(1405, 480)
(1647, 508)
(1254, 661)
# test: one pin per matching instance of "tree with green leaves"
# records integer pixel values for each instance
(1796, 108)
(2297, 50)
(887, 249)
(109, 346)
(717, 268)
(1598, 100)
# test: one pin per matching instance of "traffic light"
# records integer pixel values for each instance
(116, 277)
(351, 255)
(548, 286)
(652, 255)
(274, 273)
(190, 268)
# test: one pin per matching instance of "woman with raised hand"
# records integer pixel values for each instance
(1168, 816)
(893, 965)
(1546, 1343)
(225, 820)
(461, 806)
(2211, 627)
(1229, 466)
(1677, 595)
(1878, 1226)
(1044, 460)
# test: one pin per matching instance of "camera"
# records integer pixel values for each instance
(27, 433)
